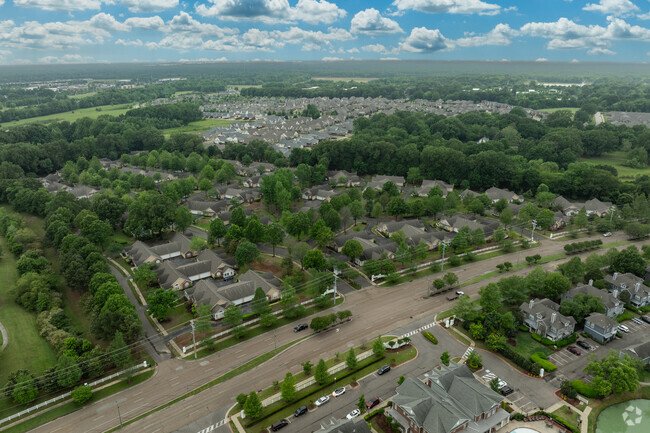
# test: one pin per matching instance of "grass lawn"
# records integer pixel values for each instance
(197, 127)
(597, 406)
(566, 413)
(71, 116)
(553, 110)
(616, 159)
(21, 329)
(178, 316)
(527, 346)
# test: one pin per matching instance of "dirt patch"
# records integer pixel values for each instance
(512, 342)
(380, 419)
(267, 266)
(255, 205)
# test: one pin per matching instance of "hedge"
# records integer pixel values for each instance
(560, 421)
(429, 336)
(625, 316)
(585, 389)
(373, 413)
(540, 359)
(578, 247)
(560, 343)
(517, 358)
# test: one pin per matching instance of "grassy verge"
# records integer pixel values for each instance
(459, 337)
(445, 314)
(232, 373)
(70, 407)
(567, 414)
(597, 406)
(527, 346)
(197, 127)
(71, 116)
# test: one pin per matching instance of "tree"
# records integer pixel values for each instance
(120, 352)
(24, 391)
(160, 303)
(352, 248)
(495, 341)
(216, 231)
(499, 235)
(490, 300)
(474, 360)
(346, 217)
(274, 235)
(268, 320)
(465, 308)
(555, 284)
(356, 210)
(513, 290)
(246, 253)
(197, 243)
(568, 390)
(306, 367)
(288, 303)
(494, 384)
(621, 374)
(288, 388)
(253, 406)
(68, 372)
(574, 270)
(450, 279)
(628, 260)
(144, 276)
(581, 306)
(506, 216)
(351, 359)
(314, 259)
(260, 303)
(378, 347)
(581, 219)
(636, 230)
(376, 211)
(438, 284)
(476, 206)
(396, 206)
(233, 316)
(238, 217)
(545, 219)
(321, 233)
(361, 404)
(445, 358)
(81, 394)
(255, 231)
(320, 373)
(183, 218)
(202, 325)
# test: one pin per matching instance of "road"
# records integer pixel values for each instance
(376, 310)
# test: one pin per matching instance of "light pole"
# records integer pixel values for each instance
(193, 338)
(532, 234)
(118, 412)
(442, 264)
(336, 273)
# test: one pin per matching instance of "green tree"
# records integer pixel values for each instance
(628, 260)
(216, 231)
(506, 216)
(450, 279)
(499, 235)
(81, 394)
(288, 303)
(255, 231)
(621, 374)
(581, 306)
(253, 406)
(574, 270)
(555, 284)
(356, 210)
(476, 206)
(568, 390)
(314, 259)
(494, 384)
(378, 347)
(288, 388)
(361, 404)
(581, 219)
(160, 303)
(474, 360)
(351, 359)
(120, 352)
(233, 316)
(376, 211)
(183, 218)
(203, 325)
(307, 367)
(352, 248)
(246, 253)
(495, 341)
(24, 391)
(197, 243)
(68, 372)
(238, 217)
(260, 303)
(445, 358)
(144, 276)
(268, 320)
(320, 372)
(274, 236)
(321, 233)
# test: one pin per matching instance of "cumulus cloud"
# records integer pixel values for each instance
(184, 23)
(147, 23)
(149, 5)
(61, 5)
(596, 51)
(370, 22)
(272, 11)
(612, 7)
(448, 6)
(317, 11)
(132, 43)
(541, 60)
(332, 59)
(68, 58)
(424, 41)
(375, 48)
(500, 35)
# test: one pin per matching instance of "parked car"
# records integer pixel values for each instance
(623, 328)
(338, 391)
(300, 411)
(279, 424)
(321, 401)
(384, 369)
(355, 413)
(506, 390)
(574, 350)
(646, 319)
(460, 293)
(502, 383)
(372, 402)
(583, 344)
(608, 234)
(300, 327)
(637, 321)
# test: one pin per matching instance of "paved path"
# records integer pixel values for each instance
(5, 336)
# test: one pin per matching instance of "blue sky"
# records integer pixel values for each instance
(90, 31)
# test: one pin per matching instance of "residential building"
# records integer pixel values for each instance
(597, 207)
(426, 186)
(641, 351)
(600, 327)
(218, 268)
(355, 425)
(630, 283)
(614, 307)
(496, 194)
(452, 400)
(543, 317)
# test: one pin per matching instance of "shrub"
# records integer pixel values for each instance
(523, 328)
(540, 359)
(559, 343)
(429, 336)
(241, 399)
(518, 416)
(454, 261)
(625, 316)
(81, 394)
(517, 358)
(585, 389)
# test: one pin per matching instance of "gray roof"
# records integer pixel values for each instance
(139, 252)
(543, 309)
(602, 321)
(584, 289)
(356, 425)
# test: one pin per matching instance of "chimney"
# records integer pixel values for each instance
(530, 304)
(553, 317)
(591, 282)
(615, 275)
(637, 286)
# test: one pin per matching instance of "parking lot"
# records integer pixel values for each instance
(517, 398)
(564, 357)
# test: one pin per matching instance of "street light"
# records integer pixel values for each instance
(442, 265)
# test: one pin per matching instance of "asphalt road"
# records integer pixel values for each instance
(376, 310)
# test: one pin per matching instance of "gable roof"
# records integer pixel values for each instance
(585, 289)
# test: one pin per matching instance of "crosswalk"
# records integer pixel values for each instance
(213, 426)
(489, 376)
(467, 352)
(420, 329)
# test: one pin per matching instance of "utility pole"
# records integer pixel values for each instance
(275, 342)
(118, 412)
(336, 273)
(611, 213)
(532, 235)
(442, 264)
(193, 338)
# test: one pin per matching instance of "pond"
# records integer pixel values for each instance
(628, 417)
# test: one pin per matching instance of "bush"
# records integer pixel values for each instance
(585, 389)
(517, 358)
(559, 343)
(524, 328)
(429, 336)
(625, 316)
(241, 399)
(518, 416)
(454, 261)
(81, 394)
(540, 359)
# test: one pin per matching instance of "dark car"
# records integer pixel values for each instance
(384, 369)
(583, 344)
(300, 327)
(372, 402)
(279, 424)
(646, 319)
(574, 350)
(300, 411)
(506, 390)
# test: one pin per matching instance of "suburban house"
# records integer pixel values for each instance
(390, 227)
(182, 244)
(170, 277)
(218, 268)
(601, 327)
(378, 182)
(426, 186)
(543, 317)
(452, 400)
(565, 206)
(206, 208)
(614, 307)
(345, 178)
(642, 351)
(457, 222)
(83, 191)
(373, 247)
(597, 207)
(355, 425)
(140, 253)
(639, 293)
(496, 194)
(559, 220)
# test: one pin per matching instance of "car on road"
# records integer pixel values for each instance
(583, 344)
(321, 401)
(506, 390)
(300, 327)
(623, 328)
(608, 234)
(384, 369)
(279, 424)
(372, 402)
(574, 350)
(300, 411)
(646, 319)
(338, 391)
(355, 413)
(460, 293)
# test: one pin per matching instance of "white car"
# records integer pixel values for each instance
(338, 391)
(321, 401)
(623, 328)
(608, 234)
(355, 413)
(460, 293)
(502, 383)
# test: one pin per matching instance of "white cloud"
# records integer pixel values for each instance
(612, 7)
(370, 22)
(353, 51)
(375, 48)
(541, 60)
(61, 5)
(596, 51)
(448, 6)
(184, 23)
(148, 23)
(107, 22)
(500, 35)
(423, 40)
(390, 58)
(272, 11)
(645, 16)
(149, 5)
(68, 58)
(332, 59)
(2, 2)
(133, 43)
(574, 61)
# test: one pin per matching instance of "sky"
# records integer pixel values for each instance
(97, 31)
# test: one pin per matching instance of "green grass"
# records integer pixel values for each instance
(553, 110)
(597, 406)
(178, 317)
(459, 337)
(445, 314)
(567, 414)
(197, 127)
(527, 346)
(71, 116)
(616, 159)
(81, 95)
(72, 406)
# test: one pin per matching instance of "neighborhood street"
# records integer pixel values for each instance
(376, 310)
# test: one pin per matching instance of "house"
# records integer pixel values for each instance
(140, 253)
(378, 182)
(355, 425)
(542, 317)
(630, 283)
(390, 227)
(205, 208)
(452, 400)
(182, 243)
(345, 178)
(559, 220)
(218, 268)
(565, 206)
(83, 191)
(597, 207)
(614, 307)
(456, 222)
(171, 278)
(253, 181)
(600, 327)
(426, 186)
(642, 351)
(496, 194)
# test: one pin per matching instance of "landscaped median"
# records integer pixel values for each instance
(276, 406)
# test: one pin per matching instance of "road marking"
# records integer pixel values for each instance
(204, 363)
(420, 329)
(467, 353)
(488, 377)
(213, 426)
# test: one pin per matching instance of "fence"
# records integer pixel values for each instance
(67, 394)
(561, 234)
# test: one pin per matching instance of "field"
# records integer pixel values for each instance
(81, 95)
(71, 116)
(197, 127)
(357, 79)
(553, 110)
(616, 159)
